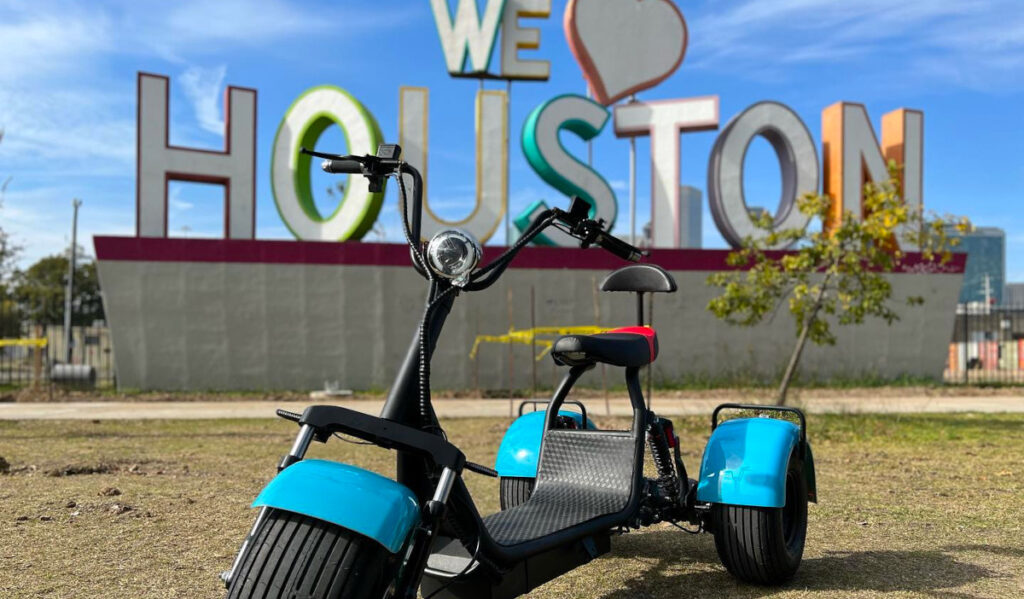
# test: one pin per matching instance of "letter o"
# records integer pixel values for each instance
(303, 124)
(798, 162)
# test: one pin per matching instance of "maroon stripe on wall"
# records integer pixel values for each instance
(355, 253)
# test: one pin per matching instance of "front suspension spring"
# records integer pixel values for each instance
(662, 457)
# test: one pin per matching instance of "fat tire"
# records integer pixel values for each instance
(292, 555)
(752, 541)
(515, 490)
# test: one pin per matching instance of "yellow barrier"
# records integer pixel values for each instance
(40, 343)
(529, 337)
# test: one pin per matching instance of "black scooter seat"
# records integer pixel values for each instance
(627, 346)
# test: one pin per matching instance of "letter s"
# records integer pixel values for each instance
(546, 154)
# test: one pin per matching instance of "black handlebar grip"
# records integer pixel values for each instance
(620, 248)
(342, 166)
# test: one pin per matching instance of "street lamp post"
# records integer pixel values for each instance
(70, 287)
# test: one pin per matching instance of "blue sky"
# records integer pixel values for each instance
(68, 78)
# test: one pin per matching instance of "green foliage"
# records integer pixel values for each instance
(8, 250)
(10, 315)
(835, 274)
(39, 292)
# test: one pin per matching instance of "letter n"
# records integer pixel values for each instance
(853, 156)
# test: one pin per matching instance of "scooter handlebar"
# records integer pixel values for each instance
(592, 232)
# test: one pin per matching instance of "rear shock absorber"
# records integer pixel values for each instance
(660, 444)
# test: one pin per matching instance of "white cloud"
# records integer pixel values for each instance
(975, 45)
(37, 44)
(618, 184)
(175, 202)
(39, 219)
(204, 89)
(67, 93)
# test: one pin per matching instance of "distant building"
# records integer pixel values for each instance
(690, 232)
(690, 205)
(1013, 295)
(985, 275)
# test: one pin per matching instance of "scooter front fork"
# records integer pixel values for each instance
(423, 536)
(297, 452)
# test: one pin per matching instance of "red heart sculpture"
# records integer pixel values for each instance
(625, 46)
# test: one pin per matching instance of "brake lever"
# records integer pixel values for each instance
(326, 156)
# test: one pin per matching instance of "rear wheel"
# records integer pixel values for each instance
(515, 490)
(292, 555)
(764, 545)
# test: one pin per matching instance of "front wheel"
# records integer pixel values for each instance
(292, 555)
(764, 545)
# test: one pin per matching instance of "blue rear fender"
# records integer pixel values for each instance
(359, 500)
(745, 463)
(520, 447)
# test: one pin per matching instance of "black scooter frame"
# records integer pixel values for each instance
(426, 461)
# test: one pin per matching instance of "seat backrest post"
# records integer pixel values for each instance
(639, 308)
(561, 393)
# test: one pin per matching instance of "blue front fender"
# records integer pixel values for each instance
(520, 447)
(745, 463)
(361, 501)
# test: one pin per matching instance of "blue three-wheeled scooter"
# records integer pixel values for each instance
(330, 530)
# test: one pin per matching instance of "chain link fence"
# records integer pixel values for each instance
(29, 351)
(987, 345)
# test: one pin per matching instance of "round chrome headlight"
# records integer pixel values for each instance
(453, 254)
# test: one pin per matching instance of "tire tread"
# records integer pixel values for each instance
(750, 541)
(515, 490)
(293, 556)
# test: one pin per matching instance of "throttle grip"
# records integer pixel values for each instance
(342, 165)
(619, 248)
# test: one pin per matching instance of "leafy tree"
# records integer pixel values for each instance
(835, 274)
(39, 291)
(10, 319)
(8, 251)
(10, 315)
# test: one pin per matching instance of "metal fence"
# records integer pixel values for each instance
(987, 345)
(28, 351)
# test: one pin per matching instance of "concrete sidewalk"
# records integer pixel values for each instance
(468, 408)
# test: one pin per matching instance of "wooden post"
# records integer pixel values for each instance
(476, 359)
(511, 357)
(37, 358)
(533, 344)
(597, 323)
(650, 367)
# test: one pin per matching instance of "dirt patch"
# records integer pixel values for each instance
(76, 470)
(145, 468)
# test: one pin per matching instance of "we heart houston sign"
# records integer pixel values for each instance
(622, 48)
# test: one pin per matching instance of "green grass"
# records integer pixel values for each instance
(911, 506)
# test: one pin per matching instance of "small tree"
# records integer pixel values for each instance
(10, 318)
(8, 251)
(39, 291)
(833, 275)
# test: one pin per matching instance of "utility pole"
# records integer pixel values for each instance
(632, 185)
(70, 287)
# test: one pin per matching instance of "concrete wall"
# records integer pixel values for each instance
(227, 325)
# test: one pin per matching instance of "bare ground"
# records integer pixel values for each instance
(911, 506)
